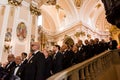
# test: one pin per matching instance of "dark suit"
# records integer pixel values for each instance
(112, 44)
(25, 61)
(81, 52)
(9, 66)
(48, 67)
(68, 56)
(96, 48)
(1, 72)
(8, 69)
(87, 51)
(76, 58)
(1, 69)
(35, 68)
(57, 62)
(19, 72)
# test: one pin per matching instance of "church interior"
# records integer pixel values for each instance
(54, 23)
(51, 22)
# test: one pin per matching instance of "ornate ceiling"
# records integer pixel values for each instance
(69, 13)
(62, 14)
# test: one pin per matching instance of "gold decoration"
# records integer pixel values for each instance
(77, 34)
(78, 3)
(82, 33)
(7, 47)
(51, 2)
(15, 2)
(58, 7)
(98, 5)
(119, 38)
(113, 30)
(68, 40)
(42, 38)
(32, 38)
(8, 35)
(89, 36)
(34, 10)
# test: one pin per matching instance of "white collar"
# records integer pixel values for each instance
(36, 51)
(56, 51)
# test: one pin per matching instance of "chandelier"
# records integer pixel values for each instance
(15, 2)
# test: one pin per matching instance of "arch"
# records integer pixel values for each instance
(48, 21)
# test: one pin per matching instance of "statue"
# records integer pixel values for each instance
(8, 35)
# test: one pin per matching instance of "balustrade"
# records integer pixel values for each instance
(89, 69)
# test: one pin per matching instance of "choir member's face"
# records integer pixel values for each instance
(54, 48)
(64, 47)
(80, 42)
(18, 60)
(74, 48)
(10, 58)
(34, 47)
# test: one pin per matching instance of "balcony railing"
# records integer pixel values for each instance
(90, 69)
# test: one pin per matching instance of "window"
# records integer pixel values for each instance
(39, 20)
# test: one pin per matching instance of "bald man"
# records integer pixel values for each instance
(35, 67)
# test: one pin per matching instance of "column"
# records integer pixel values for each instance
(3, 31)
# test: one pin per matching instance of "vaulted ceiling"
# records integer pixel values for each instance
(65, 13)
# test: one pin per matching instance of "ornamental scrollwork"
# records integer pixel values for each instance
(34, 10)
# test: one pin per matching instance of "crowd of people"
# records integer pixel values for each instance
(40, 65)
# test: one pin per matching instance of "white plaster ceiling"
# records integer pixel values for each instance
(56, 20)
(68, 14)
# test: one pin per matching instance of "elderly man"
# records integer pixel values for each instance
(17, 71)
(35, 67)
(11, 63)
(8, 68)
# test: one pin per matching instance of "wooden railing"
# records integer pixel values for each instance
(89, 69)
